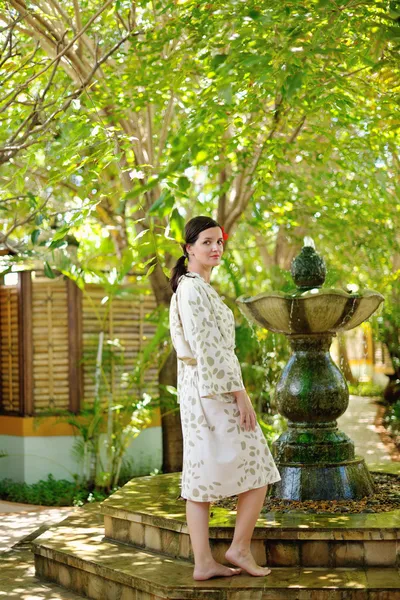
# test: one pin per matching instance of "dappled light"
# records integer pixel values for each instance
(30, 518)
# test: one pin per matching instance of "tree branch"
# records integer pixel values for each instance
(165, 127)
(11, 149)
(71, 43)
(30, 217)
(78, 21)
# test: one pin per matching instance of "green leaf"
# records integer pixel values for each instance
(201, 157)
(35, 235)
(183, 184)
(293, 84)
(141, 189)
(226, 94)
(163, 205)
(254, 14)
(141, 235)
(218, 60)
(32, 200)
(57, 244)
(61, 233)
(150, 270)
(177, 226)
(48, 271)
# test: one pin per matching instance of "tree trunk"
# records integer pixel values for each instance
(170, 418)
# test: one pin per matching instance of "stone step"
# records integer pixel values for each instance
(75, 555)
(148, 514)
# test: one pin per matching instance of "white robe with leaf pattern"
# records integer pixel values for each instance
(220, 458)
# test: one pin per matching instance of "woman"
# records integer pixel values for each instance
(224, 450)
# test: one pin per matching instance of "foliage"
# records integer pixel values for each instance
(280, 113)
(116, 414)
(105, 430)
(278, 118)
(262, 355)
(272, 426)
(389, 331)
(49, 492)
(366, 388)
(391, 420)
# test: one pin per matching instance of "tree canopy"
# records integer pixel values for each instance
(120, 121)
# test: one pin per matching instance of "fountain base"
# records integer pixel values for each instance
(346, 480)
(313, 443)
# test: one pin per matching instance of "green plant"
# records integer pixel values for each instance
(120, 409)
(366, 388)
(262, 355)
(272, 426)
(391, 420)
(389, 332)
(49, 492)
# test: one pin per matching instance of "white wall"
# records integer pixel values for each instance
(33, 458)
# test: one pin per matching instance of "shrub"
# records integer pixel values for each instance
(366, 388)
(49, 492)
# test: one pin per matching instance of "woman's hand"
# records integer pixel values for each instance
(248, 418)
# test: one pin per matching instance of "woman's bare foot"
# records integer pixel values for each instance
(243, 558)
(213, 569)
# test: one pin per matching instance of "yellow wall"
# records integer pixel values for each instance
(45, 426)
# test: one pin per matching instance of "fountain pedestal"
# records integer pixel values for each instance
(316, 460)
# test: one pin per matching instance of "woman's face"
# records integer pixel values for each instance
(208, 248)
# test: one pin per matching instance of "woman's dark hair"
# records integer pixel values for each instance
(193, 228)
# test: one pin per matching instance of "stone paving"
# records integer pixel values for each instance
(17, 521)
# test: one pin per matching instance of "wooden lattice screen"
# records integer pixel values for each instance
(46, 325)
(9, 349)
(125, 322)
(50, 345)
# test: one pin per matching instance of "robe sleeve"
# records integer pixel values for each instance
(217, 365)
(183, 350)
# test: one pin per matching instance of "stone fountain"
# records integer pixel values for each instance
(315, 459)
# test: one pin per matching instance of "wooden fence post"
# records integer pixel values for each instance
(75, 371)
(26, 407)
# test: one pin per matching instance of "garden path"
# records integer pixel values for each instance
(18, 521)
(358, 423)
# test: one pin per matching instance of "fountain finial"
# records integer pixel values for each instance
(308, 268)
(308, 241)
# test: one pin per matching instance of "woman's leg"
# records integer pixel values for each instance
(248, 510)
(204, 564)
